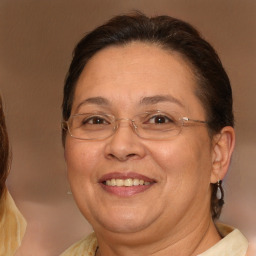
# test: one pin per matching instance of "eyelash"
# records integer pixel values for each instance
(92, 118)
(160, 116)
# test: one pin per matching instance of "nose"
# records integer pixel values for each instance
(124, 144)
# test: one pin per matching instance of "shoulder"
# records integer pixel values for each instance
(12, 225)
(87, 247)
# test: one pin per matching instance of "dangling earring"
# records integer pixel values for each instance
(220, 193)
(69, 192)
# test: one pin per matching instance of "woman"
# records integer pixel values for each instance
(12, 223)
(148, 136)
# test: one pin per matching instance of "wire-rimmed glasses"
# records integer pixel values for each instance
(154, 125)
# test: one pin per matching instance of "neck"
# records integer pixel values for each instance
(188, 242)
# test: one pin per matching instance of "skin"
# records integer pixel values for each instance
(172, 217)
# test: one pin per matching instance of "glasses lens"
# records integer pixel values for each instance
(91, 126)
(158, 125)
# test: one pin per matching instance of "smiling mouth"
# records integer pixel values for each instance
(126, 182)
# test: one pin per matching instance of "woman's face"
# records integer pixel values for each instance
(125, 81)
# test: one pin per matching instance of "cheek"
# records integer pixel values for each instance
(197, 165)
(81, 158)
(185, 163)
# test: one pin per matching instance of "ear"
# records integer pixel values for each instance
(223, 146)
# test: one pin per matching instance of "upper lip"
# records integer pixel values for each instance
(128, 175)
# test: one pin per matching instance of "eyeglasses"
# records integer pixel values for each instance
(155, 125)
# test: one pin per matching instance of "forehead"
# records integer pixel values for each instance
(130, 72)
(135, 58)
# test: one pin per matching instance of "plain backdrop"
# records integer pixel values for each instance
(36, 41)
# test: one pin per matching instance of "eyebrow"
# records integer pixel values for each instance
(94, 100)
(160, 98)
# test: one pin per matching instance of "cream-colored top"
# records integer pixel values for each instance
(84, 247)
(233, 244)
(12, 226)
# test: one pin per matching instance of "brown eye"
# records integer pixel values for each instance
(159, 119)
(95, 120)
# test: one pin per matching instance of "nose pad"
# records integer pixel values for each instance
(130, 121)
(122, 144)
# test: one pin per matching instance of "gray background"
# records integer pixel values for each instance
(36, 41)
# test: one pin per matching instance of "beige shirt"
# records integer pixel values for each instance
(12, 226)
(233, 244)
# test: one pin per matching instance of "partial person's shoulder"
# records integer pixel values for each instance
(86, 247)
(233, 243)
(12, 226)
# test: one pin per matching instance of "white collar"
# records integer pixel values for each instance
(233, 243)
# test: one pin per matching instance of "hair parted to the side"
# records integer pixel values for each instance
(174, 35)
(4, 151)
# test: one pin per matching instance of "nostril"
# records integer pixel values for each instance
(130, 155)
(122, 158)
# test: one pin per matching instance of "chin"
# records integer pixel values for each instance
(124, 227)
(124, 223)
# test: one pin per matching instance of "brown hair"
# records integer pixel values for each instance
(214, 90)
(4, 151)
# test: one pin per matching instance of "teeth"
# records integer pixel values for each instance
(136, 182)
(113, 182)
(126, 182)
(119, 182)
